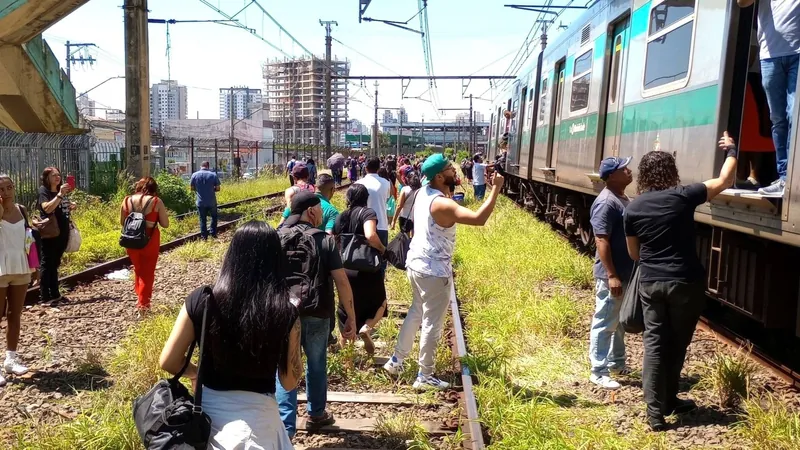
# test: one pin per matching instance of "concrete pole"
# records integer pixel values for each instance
(137, 82)
(375, 127)
(471, 125)
(233, 123)
(328, 75)
(399, 132)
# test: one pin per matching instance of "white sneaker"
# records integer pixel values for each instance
(13, 366)
(2, 381)
(604, 382)
(775, 189)
(393, 366)
(429, 382)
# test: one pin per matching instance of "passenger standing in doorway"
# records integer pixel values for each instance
(660, 230)
(779, 39)
(205, 185)
(612, 270)
(478, 176)
(430, 265)
(378, 188)
(290, 170)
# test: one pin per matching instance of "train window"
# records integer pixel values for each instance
(543, 101)
(669, 45)
(615, 69)
(581, 80)
(560, 94)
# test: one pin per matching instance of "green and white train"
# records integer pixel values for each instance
(632, 76)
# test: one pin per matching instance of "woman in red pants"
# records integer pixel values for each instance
(145, 200)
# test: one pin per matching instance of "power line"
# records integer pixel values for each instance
(365, 56)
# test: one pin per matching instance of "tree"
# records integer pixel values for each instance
(385, 140)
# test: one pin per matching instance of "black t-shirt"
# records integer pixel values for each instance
(352, 220)
(664, 223)
(331, 260)
(61, 212)
(258, 379)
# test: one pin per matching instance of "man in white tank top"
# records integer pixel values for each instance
(429, 265)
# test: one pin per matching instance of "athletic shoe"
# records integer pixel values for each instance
(324, 420)
(393, 366)
(2, 381)
(424, 382)
(13, 366)
(774, 189)
(604, 382)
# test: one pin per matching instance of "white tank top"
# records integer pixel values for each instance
(13, 257)
(431, 249)
(405, 213)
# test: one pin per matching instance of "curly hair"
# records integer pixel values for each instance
(657, 172)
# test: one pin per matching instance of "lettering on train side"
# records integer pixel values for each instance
(577, 128)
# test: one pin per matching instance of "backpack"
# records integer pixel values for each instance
(134, 231)
(290, 166)
(305, 277)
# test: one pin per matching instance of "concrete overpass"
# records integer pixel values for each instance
(35, 94)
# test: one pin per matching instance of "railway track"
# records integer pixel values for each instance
(451, 416)
(723, 334)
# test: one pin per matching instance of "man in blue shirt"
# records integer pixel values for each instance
(612, 270)
(205, 184)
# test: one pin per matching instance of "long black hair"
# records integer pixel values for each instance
(413, 180)
(357, 195)
(251, 314)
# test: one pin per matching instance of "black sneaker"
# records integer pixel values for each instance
(324, 420)
(657, 424)
(682, 407)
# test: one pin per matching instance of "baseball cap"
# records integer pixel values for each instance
(611, 165)
(301, 202)
(433, 165)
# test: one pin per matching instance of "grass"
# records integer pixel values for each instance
(768, 423)
(402, 431)
(98, 221)
(728, 376)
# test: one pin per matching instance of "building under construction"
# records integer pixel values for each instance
(295, 98)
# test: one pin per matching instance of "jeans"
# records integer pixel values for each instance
(779, 77)
(291, 180)
(428, 309)
(671, 311)
(480, 191)
(204, 212)
(52, 251)
(314, 340)
(606, 337)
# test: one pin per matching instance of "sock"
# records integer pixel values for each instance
(10, 354)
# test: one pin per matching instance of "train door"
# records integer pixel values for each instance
(616, 87)
(514, 154)
(491, 151)
(555, 123)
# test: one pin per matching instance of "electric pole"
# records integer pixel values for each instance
(375, 127)
(230, 113)
(327, 24)
(137, 104)
(422, 132)
(399, 131)
(72, 59)
(471, 127)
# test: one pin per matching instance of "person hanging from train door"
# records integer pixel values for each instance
(779, 39)
(660, 234)
(612, 270)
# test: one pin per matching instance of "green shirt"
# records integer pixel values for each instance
(329, 213)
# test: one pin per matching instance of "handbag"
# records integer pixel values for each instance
(167, 417)
(33, 250)
(74, 243)
(631, 315)
(50, 230)
(357, 254)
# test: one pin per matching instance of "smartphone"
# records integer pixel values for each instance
(71, 181)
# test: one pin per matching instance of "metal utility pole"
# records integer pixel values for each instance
(327, 24)
(72, 59)
(399, 132)
(233, 124)
(422, 131)
(471, 127)
(375, 127)
(137, 81)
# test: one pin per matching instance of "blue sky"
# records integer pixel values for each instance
(465, 36)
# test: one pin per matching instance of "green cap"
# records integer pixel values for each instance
(433, 165)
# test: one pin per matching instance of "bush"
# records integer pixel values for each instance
(175, 193)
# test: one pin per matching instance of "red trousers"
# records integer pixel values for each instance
(144, 268)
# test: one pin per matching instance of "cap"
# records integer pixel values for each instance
(433, 165)
(611, 165)
(301, 202)
(298, 170)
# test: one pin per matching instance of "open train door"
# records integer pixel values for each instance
(620, 36)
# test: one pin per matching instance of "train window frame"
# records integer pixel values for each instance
(677, 84)
(616, 69)
(543, 101)
(577, 76)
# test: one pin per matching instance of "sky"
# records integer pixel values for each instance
(478, 37)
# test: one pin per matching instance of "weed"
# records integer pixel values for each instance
(402, 431)
(196, 251)
(728, 376)
(768, 423)
(47, 349)
(91, 364)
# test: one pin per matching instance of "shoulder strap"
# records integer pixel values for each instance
(198, 395)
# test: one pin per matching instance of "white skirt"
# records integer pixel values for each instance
(243, 420)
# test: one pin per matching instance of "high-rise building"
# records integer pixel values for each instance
(295, 99)
(167, 102)
(464, 116)
(245, 102)
(402, 115)
(115, 115)
(388, 117)
(86, 106)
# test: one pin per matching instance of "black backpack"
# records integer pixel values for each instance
(305, 277)
(134, 231)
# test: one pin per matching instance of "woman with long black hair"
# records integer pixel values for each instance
(55, 235)
(252, 331)
(405, 203)
(369, 290)
(660, 232)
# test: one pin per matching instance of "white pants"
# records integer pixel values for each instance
(429, 308)
(243, 420)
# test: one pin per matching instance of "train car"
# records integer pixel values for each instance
(632, 76)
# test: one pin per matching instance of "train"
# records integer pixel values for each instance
(632, 76)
